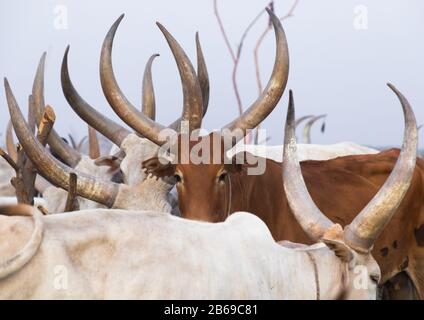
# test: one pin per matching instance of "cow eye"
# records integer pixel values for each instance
(177, 178)
(222, 177)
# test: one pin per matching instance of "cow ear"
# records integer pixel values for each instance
(334, 240)
(159, 167)
(340, 249)
(111, 161)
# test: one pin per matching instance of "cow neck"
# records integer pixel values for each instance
(238, 195)
(334, 273)
(316, 274)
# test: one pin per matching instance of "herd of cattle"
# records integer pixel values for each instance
(145, 222)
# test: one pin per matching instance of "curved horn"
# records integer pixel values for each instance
(367, 226)
(18, 261)
(10, 144)
(192, 94)
(202, 75)
(310, 218)
(110, 129)
(50, 168)
(120, 104)
(269, 98)
(148, 92)
(307, 128)
(93, 143)
(301, 119)
(64, 151)
(203, 78)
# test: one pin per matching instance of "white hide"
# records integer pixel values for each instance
(56, 197)
(138, 192)
(117, 254)
(136, 151)
(7, 201)
(305, 151)
(6, 173)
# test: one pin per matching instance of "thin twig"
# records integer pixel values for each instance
(258, 45)
(233, 57)
(224, 34)
(261, 39)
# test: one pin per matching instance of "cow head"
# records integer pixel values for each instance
(352, 245)
(202, 173)
(203, 181)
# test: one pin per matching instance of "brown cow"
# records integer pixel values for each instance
(209, 191)
(205, 190)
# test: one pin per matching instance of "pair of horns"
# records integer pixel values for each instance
(193, 87)
(132, 116)
(370, 222)
(65, 152)
(308, 126)
(53, 170)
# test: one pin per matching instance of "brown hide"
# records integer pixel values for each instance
(340, 187)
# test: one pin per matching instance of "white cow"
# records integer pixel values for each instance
(6, 173)
(304, 151)
(117, 254)
(7, 201)
(110, 254)
(56, 197)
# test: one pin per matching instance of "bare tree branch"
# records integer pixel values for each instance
(224, 34)
(235, 55)
(261, 39)
(258, 45)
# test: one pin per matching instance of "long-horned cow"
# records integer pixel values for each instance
(211, 190)
(134, 248)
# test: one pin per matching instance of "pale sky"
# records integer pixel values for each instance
(335, 68)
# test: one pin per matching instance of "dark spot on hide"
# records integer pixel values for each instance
(394, 245)
(384, 251)
(419, 235)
